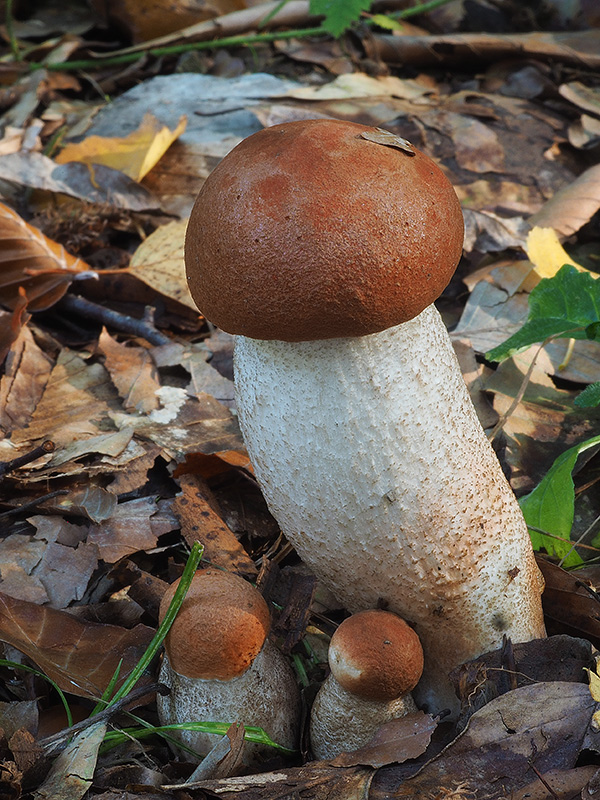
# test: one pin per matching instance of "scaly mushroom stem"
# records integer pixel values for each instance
(372, 459)
(342, 722)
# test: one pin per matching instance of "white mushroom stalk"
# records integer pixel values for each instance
(371, 457)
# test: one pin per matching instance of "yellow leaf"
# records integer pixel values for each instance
(547, 253)
(134, 155)
(594, 684)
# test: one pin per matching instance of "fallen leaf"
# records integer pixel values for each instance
(26, 373)
(134, 155)
(159, 263)
(572, 207)
(197, 510)
(33, 262)
(71, 774)
(395, 742)
(544, 725)
(132, 372)
(101, 185)
(47, 636)
(127, 531)
(546, 252)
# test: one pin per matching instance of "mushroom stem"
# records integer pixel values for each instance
(342, 722)
(372, 459)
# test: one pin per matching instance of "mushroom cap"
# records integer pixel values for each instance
(376, 655)
(307, 231)
(220, 628)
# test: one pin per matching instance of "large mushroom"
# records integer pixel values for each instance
(220, 666)
(323, 246)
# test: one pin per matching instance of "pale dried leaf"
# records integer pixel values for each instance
(71, 774)
(133, 373)
(159, 263)
(77, 397)
(99, 185)
(573, 206)
(26, 373)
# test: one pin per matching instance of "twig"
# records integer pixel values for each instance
(50, 742)
(520, 393)
(24, 508)
(33, 455)
(113, 319)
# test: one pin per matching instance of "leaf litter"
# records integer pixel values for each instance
(118, 436)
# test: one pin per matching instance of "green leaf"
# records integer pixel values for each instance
(563, 306)
(339, 14)
(550, 507)
(590, 396)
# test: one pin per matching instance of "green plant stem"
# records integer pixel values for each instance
(229, 41)
(421, 8)
(8, 21)
(15, 665)
(152, 649)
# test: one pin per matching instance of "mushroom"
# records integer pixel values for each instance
(220, 666)
(324, 251)
(376, 660)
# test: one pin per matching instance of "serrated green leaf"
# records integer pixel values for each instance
(550, 507)
(565, 305)
(339, 14)
(590, 396)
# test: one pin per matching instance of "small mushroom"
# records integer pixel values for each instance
(376, 660)
(324, 251)
(220, 666)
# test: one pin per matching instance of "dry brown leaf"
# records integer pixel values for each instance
(26, 373)
(546, 725)
(30, 260)
(197, 511)
(569, 605)
(128, 531)
(573, 206)
(585, 97)
(71, 773)
(80, 656)
(132, 372)
(395, 742)
(12, 324)
(100, 185)
(134, 155)
(76, 400)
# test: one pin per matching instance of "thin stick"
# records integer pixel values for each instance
(113, 319)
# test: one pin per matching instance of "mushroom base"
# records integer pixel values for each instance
(341, 721)
(372, 459)
(266, 695)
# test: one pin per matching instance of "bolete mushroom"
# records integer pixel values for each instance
(220, 666)
(376, 660)
(324, 250)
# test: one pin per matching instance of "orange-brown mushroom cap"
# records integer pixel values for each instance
(307, 231)
(220, 627)
(376, 655)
